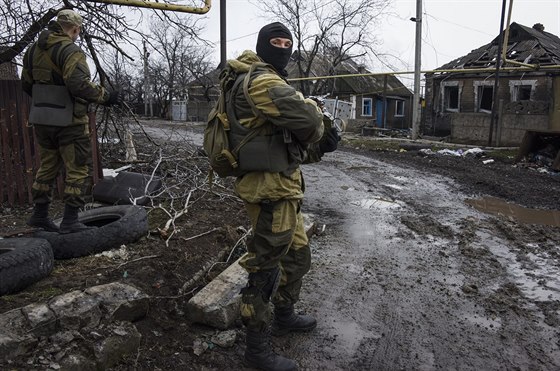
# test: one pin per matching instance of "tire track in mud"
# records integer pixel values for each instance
(402, 278)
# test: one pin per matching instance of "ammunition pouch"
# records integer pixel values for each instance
(51, 105)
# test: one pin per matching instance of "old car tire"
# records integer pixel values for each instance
(23, 261)
(116, 225)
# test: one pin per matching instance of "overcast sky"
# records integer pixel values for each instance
(451, 28)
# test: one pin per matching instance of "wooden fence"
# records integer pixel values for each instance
(19, 153)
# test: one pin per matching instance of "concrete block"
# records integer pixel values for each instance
(217, 304)
(123, 340)
(41, 318)
(15, 338)
(122, 302)
(76, 310)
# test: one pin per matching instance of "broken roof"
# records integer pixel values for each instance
(354, 84)
(531, 45)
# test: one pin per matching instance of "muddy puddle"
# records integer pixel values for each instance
(496, 206)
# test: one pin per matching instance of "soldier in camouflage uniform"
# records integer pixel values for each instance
(278, 254)
(51, 62)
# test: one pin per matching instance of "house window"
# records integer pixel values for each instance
(522, 90)
(399, 108)
(451, 98)
(484, 98)
(367, 106)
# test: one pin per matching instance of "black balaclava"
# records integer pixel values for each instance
(277, 57)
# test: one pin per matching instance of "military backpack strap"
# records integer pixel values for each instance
(257, 112)
(246, 81)
(254, 132)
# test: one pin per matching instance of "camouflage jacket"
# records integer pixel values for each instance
(54, 59)
(283, 107)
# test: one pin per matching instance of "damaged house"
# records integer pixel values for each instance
(382, 101)
(459, 104)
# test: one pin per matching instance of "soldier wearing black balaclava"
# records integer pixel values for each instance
(277, 57)
(271, 187)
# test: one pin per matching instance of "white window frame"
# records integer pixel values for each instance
(397, 114)
(370, 106)
(446, 84)
(476, 88)
(514, 88)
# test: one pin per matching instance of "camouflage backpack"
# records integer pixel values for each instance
(224, 160)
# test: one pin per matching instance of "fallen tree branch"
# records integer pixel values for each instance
(202, 272)
(239, 241)
(171, 222)
(138, 259)
(202, 234)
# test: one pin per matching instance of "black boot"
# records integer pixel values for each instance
(259, 353)
(70, 223)
(40, 218)
(286, 321)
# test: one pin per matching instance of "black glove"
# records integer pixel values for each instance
(329, 143)
(115, 97)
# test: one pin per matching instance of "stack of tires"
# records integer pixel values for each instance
(24, 261)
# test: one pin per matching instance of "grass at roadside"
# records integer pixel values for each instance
(400, 144)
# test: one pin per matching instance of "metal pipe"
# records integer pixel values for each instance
(506, 41)
(497, 72)
(555, 67)
(160, 6)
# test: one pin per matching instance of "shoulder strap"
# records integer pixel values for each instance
(57, 79)
(257, 112)
(252, 133)
(246, 81)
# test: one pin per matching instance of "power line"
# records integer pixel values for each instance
(302, 14)
(459, 25)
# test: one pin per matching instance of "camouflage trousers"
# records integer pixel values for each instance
(278, 256)
(69, 147)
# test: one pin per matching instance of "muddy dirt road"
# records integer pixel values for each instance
(408, 276)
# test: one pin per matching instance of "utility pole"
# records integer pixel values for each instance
(417, 64)
(223, 37)
(497, 75)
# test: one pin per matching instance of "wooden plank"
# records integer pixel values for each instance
(29, 168)
(96, 156)
(7, 159)
(3, 176)
(18, 169)
(36, 149)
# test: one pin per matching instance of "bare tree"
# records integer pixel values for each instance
(106, 28)
(327, 33)
(178, 60)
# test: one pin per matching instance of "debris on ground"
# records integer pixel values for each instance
(475, 152)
